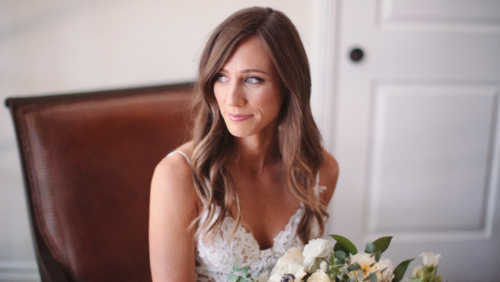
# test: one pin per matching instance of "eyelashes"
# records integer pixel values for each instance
(220, 78)
(254, 80)
(250, 79)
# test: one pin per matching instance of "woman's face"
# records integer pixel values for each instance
(248, 91)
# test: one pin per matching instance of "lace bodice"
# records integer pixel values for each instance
(214, 260)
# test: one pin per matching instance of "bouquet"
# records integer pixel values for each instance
(321, 261)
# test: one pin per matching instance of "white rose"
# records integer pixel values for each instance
(317, 248)
(387, 275)
(318, 276)
(368, 265)
(293, 255)
(430, 260)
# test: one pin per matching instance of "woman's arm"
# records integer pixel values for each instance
(173, 206)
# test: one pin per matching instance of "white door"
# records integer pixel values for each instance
(417, 131)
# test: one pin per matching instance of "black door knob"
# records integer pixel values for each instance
(356, 55)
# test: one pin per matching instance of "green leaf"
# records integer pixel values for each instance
(340, 247)
(244, 270)
(373, 277)
(236, 268)
(345, 243)
(381, 244)
(370, 248)
(399, 271)
(331, 260)
(232, 277)
(354, 267)
(341, 255)
(378, 255)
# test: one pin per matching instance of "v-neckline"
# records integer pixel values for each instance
(248, 232)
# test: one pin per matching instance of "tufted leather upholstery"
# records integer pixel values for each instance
(87, 161)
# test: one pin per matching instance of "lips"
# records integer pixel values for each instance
(238, 118)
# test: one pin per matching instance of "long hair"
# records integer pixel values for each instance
(299, 139)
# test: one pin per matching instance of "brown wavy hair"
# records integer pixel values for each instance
(299, 139)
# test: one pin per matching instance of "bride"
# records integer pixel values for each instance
(254, 181)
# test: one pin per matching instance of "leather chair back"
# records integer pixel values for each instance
(87, 161)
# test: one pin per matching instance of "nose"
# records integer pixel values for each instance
(236, 95)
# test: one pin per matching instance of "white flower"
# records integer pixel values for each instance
(317, 248)
(263, 278)
(430, 259)
(368, 265)
(323, 266)
(318, 276)
(418, 272)
(292, 272)
(293, 255)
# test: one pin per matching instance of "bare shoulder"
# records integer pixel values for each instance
(329, 173)
(172, 175)
(173, 207)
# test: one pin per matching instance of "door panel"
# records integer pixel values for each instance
(416, 131)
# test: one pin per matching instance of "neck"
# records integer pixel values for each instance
(257, 152)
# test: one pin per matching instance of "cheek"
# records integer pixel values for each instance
(272, 101)
(218, 94)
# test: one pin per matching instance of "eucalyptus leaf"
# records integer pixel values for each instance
(373, 277)
(236, 268)
(370, 248)
(378, 255)
(232, 277)
(341, 255)
(346, 243)
(353, 267)
(399, 271)
(244, 270)
(381, 244)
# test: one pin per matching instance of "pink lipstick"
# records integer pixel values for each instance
(238, 118)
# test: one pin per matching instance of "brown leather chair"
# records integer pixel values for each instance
(87, 161)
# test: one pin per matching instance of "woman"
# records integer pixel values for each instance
(254, 181)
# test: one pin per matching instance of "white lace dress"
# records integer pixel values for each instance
(215, 259)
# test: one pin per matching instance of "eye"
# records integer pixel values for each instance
(254, 80)
(221, 78)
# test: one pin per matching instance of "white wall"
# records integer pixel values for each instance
(57, 46)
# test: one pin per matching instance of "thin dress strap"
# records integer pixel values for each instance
(318, 189)
(182, 153)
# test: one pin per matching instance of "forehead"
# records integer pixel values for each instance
(249, 54)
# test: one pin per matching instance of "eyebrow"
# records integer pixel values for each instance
(250, 70)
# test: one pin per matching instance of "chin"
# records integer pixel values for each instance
(240, 132)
